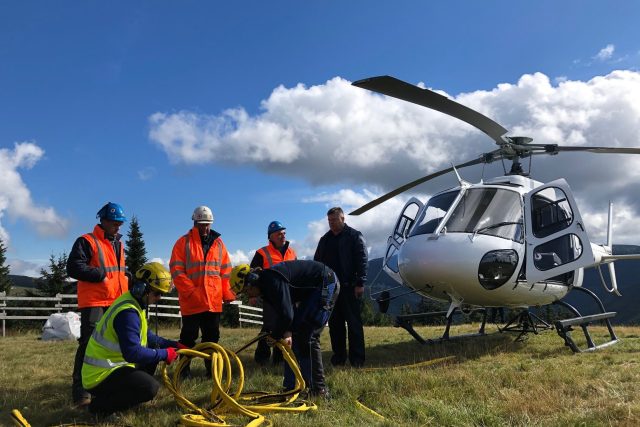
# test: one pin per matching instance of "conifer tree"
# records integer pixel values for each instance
(54, 280)
(136, 253)
(5, 282)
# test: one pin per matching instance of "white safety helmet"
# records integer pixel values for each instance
(203, 215)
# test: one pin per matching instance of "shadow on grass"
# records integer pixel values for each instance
(47, 404)
(386, 355)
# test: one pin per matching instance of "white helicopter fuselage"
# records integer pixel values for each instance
(508, 242)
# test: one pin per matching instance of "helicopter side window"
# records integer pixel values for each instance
(392, 258)
(493, 211)
(557, 252)
(433, 213)
(551, 212)
(405, 222)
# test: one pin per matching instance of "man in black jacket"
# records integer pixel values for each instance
(302, 294)
(343, 249)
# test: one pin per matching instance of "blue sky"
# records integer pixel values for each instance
(246, 107)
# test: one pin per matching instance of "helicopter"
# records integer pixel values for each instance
(506, 242)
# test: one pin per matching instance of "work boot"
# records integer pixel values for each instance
(81, 398)
(338, 361)
(82, 402)
(322, 393)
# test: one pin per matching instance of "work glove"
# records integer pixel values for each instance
(172, 355)
(182, 346)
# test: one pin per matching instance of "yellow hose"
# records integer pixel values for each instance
(386, 368)
(223, 399)
(18, 419)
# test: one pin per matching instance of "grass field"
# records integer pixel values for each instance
(492, 381)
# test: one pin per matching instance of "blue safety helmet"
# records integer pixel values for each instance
(111, 211)
(275, 226)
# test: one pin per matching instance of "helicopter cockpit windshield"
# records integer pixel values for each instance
(493, 211)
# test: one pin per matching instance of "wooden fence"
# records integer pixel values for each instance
(68, 302)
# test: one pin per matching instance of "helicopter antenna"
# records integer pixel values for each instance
(462, 182)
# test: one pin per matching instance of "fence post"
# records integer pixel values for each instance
(4, 313)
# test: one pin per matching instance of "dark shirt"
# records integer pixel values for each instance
(351, 253)
(127, 326)
(207, 241)
(81, 253)
(288, 283)
(332, 253)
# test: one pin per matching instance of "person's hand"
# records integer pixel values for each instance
(287, 338)
(172, 355)
(182, 346)
(358, 291)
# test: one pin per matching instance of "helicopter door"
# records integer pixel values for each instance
(400, 232)
(557, 242)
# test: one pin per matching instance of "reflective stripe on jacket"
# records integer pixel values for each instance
(103, 354)
(202, 283)
(103, 256)
(272, 256)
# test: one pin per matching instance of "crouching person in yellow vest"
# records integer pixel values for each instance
(122, 353)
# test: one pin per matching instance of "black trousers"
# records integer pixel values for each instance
(208, 323)
(306, 347)
(263, 351)
(347, 311)
(123, 389)
(89, 317)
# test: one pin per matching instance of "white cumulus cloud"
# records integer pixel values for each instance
(336, 133)
(15, 197)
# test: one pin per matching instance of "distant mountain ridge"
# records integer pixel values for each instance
(23, 281)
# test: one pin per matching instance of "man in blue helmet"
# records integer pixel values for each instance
(275, 252)
(97, 262)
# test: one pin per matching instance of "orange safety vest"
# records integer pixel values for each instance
(272, 256)
(102, 294)
(202, 283)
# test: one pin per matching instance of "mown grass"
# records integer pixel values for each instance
(492, 381)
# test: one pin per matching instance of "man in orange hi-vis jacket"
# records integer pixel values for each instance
(275, 252)
(97, 262)
(200, 269)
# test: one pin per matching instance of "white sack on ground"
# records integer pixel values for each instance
(62, 326)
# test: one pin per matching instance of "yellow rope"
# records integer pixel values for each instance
(414, 365)
(18, 419)
(223, 399)
(371, 411)
(387, 368)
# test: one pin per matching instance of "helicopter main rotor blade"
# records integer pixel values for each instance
(621, 150)
(412, 184)
(391, 86)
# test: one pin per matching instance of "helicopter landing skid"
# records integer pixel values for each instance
(525, 322)
(406, 322)
(565, 326)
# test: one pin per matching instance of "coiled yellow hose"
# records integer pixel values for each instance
(225, 401)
